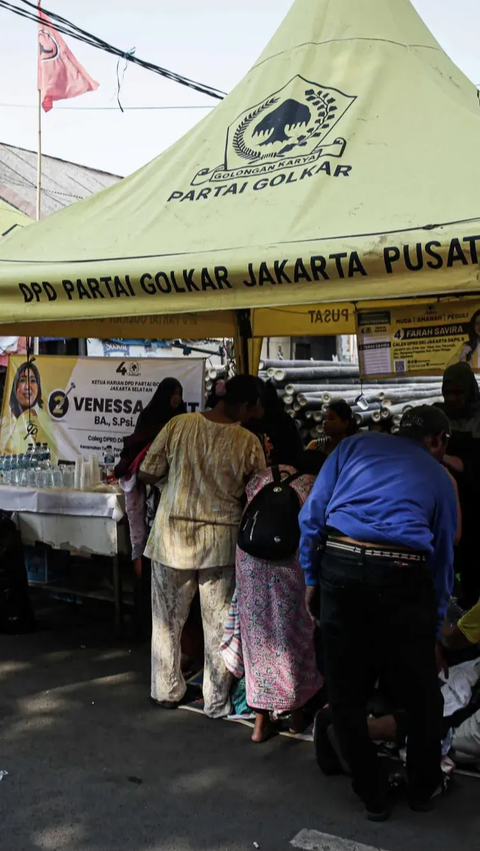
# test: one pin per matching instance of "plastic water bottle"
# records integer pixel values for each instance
(109, 457)
(31, 470)
(40, 472)
(47, 466)
(17, 472)
(23, 470)
(108, 463)
(14, 470)
(57, 475)
(28, 464)
(37, 455)
(7, 470)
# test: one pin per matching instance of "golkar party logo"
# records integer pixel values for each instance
(291, 129)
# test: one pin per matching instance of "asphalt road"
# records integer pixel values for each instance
(94, 767)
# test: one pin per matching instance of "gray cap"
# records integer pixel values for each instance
(423, 421)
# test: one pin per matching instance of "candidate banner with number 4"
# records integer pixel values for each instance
(418, 340)
(80, 406)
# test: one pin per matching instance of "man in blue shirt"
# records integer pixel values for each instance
(377, 535)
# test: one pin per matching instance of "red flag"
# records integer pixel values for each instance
(60, 75)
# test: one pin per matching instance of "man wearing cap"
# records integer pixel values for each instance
(377, 535)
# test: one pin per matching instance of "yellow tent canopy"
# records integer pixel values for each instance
(343, 167)
(11, 218)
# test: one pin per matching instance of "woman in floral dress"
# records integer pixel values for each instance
(275, 628)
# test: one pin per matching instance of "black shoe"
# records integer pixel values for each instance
(376, 811)
(379, 812)
(327, 748)
(426, 806)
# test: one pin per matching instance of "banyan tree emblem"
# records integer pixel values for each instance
(294, 121)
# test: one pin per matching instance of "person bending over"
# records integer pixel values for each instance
(384, 512)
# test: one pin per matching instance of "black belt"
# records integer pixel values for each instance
(378, 552)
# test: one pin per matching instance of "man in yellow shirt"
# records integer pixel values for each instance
(465, 632)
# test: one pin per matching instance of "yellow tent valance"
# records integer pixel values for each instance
(188, 326)
(318, 320)
(304, 320)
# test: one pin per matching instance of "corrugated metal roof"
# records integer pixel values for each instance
(62, 182)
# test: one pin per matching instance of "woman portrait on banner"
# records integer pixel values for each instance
(25, 420)
(469, 351)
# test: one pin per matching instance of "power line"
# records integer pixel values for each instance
(7, 179)
(66, 27)
(96, 108)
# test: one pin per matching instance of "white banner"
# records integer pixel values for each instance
(80, 406)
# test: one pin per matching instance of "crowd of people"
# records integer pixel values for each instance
(324, 574)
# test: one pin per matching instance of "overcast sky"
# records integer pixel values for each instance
(213, 41)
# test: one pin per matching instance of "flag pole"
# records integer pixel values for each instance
(39, 142)
(39, 157)
(36, 340)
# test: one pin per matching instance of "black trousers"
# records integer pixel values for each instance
(378, 619)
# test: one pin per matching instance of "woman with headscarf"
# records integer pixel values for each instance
(276, 431)
(462, 407)
(166, 403)
(338, 424)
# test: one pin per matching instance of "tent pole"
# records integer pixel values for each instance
(255, 345)
(242, 336)
(39, 157)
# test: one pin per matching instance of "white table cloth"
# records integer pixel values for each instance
(82, 521)
(62, 501)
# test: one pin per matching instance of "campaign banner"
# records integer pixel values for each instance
(81, 406)
(418, 339)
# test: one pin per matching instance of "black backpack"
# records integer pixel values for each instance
(269, 528)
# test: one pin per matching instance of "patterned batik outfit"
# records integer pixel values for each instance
(277, 634)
